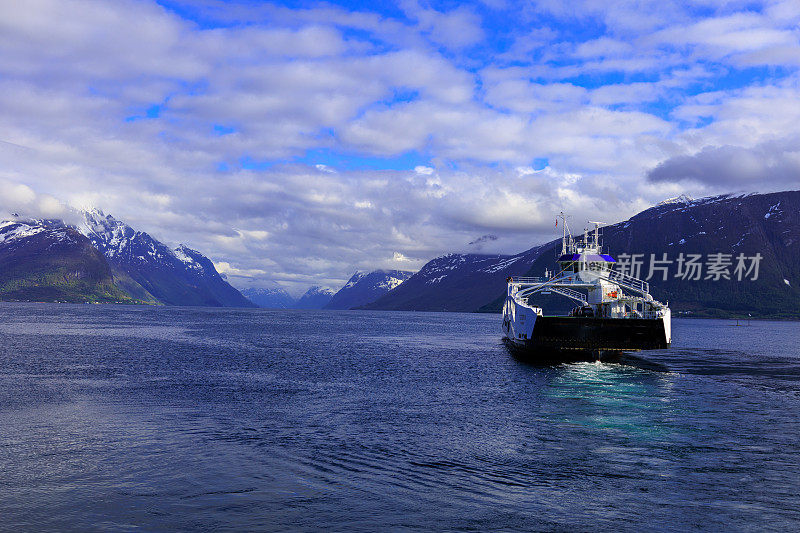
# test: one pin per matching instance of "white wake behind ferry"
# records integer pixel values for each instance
(614, 312)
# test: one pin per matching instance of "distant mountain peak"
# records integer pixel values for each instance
(365, 287)
(682, 199)
(269, 297)
(318, 289)
(316, 297)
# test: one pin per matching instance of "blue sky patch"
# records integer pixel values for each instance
(337, 161)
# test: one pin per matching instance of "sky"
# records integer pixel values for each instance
(294, 143)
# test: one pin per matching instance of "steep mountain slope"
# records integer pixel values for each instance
(206, 277)
(315, 298)
(275, 298)
(766, 224)
(45, 260)
(366, 287)
(175, 277)
(456, 282)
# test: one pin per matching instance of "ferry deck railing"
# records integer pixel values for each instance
(556, 285)
(629, 282)
(546, 285)
(526, 280)
(623, 280)
(569, 293)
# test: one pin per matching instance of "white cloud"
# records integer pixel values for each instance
(728, 35)
(20, 199)
(454, 29)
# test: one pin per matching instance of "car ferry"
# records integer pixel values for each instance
(614, 312)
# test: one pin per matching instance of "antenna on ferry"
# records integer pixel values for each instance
(565, 232)
(596, 233)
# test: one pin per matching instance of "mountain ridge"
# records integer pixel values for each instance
(316, 297)
(180, 276)
(269, 298)
(47, 260)
(109, 262)
(365, 287)
(727, 224)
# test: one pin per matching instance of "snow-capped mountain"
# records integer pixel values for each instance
(46, 260)
(681, 199)
(766, 224)
(118, 241)
(456, 282)
(315, 298)
(14, 231)
(270, 298)
(175, 277)
(366, 287)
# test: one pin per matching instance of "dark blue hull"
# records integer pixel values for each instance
(554, 334)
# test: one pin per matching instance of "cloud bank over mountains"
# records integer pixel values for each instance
(296, 144)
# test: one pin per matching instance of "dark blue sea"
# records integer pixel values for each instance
(145, 418)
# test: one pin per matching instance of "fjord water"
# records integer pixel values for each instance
(115, 417)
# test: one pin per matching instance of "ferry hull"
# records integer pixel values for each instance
(575, 334)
